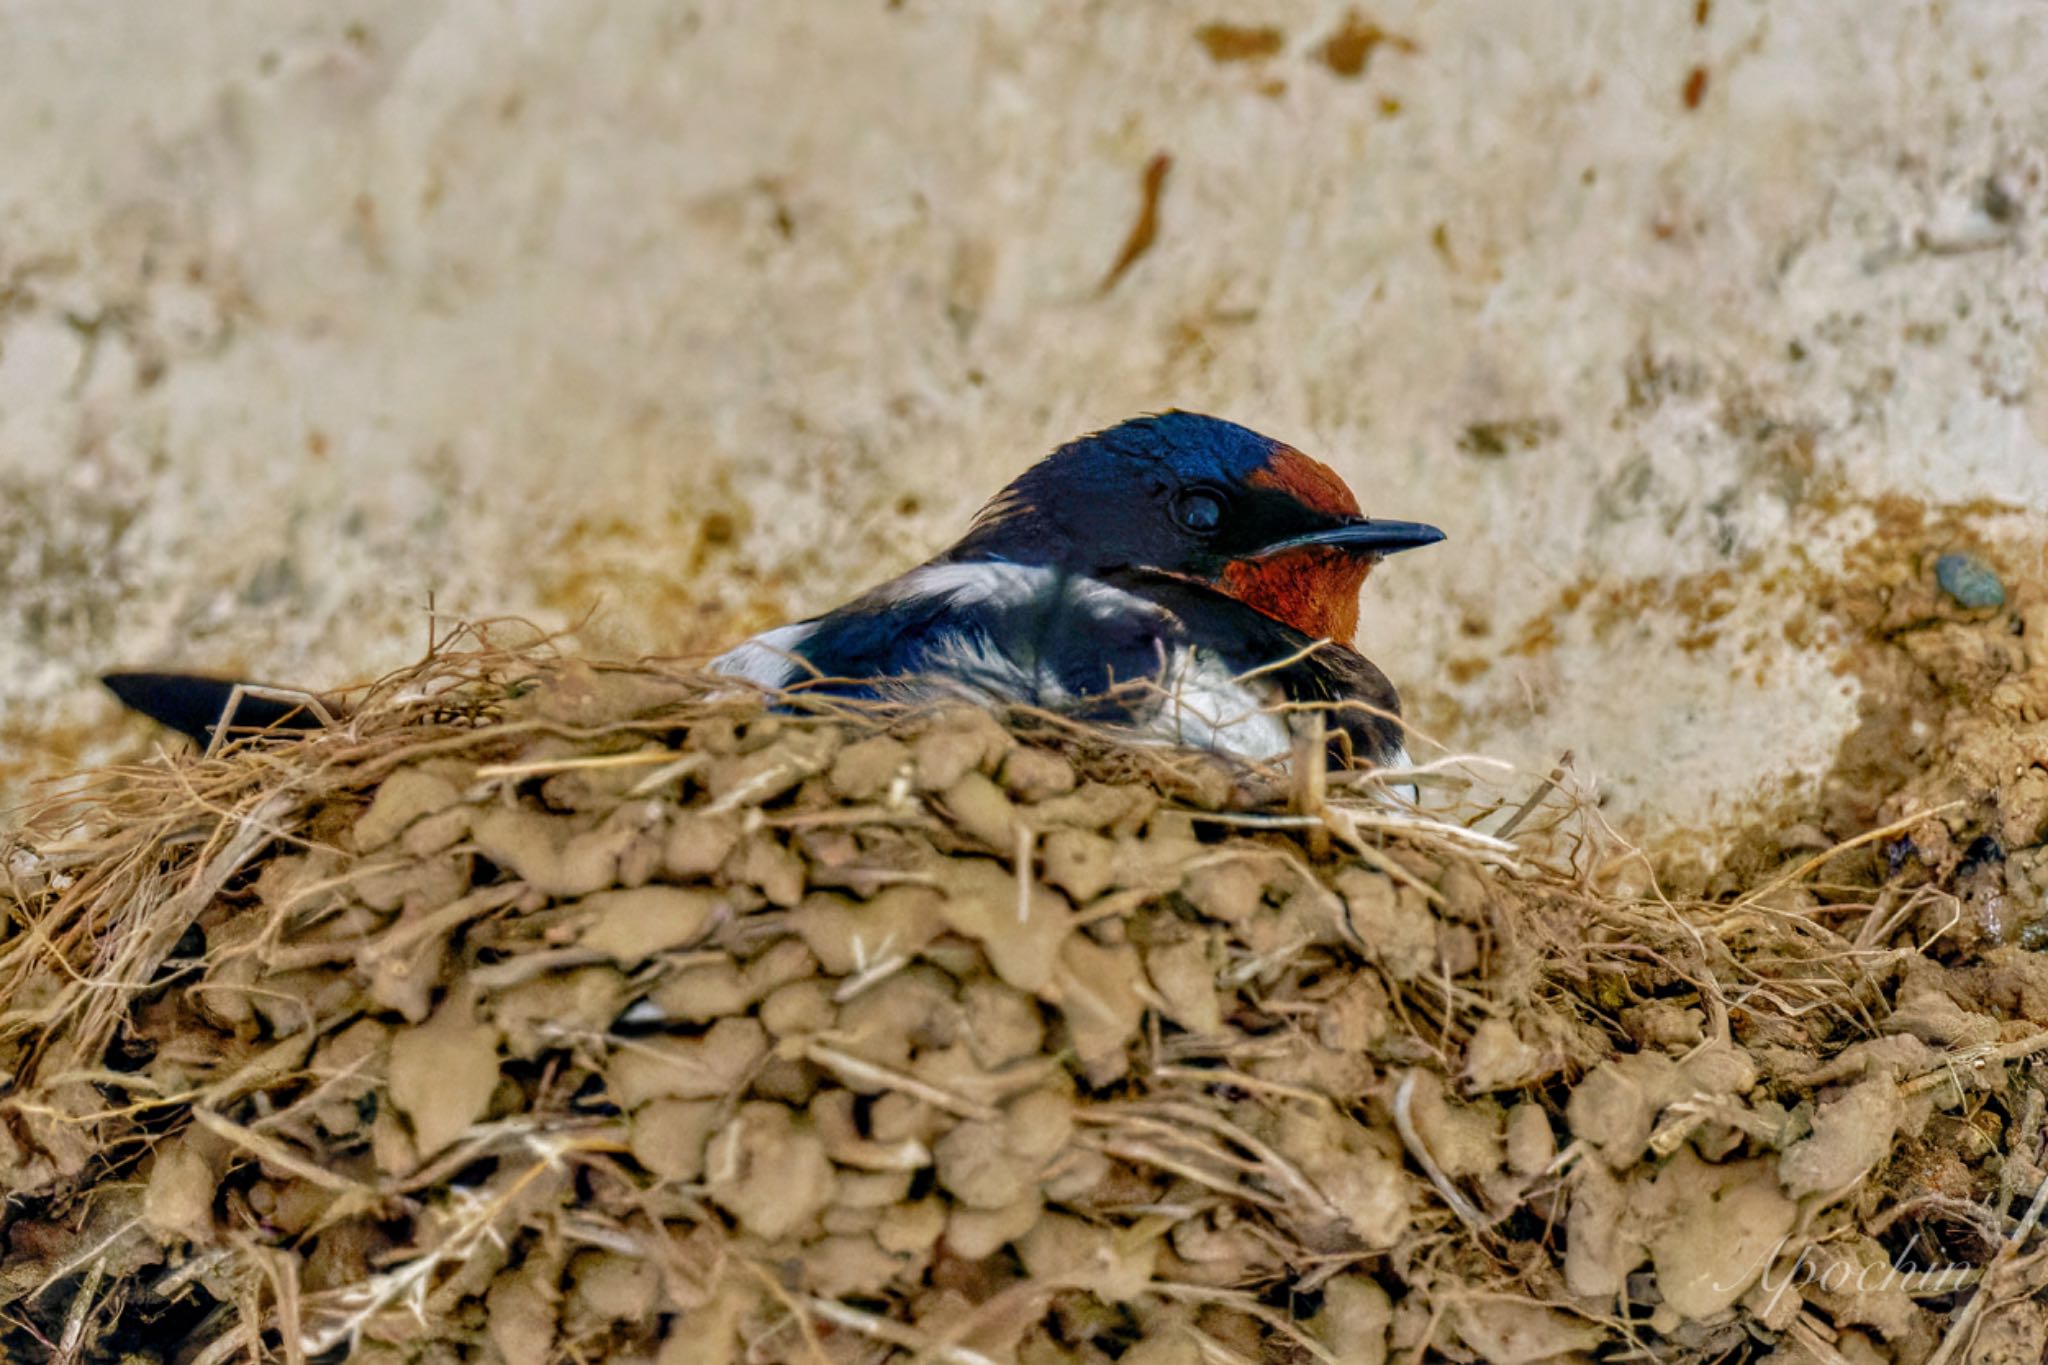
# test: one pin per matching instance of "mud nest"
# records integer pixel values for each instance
(555, 1012)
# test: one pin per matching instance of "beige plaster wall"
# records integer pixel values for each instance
(701, 314)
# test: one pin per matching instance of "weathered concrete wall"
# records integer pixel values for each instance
(703, 314)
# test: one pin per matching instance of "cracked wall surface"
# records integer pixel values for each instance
(673, 320)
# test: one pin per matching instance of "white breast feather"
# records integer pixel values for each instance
(1407, 791)
(1207, 705)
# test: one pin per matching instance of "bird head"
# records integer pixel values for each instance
(1203, 499)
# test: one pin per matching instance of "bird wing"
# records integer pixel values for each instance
(991, 629)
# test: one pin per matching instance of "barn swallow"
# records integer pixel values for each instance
(1178, 575)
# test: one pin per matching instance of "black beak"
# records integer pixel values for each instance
(1366, 536)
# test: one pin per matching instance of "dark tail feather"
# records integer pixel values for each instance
(192, 704)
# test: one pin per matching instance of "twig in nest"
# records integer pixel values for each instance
(768, 779)
(893, 1333)
(72, 1342)
(1238, 1080)
(1212, 1351)
(867, 971)
(1808, 1332)
(1146, 1154)
(1964, 1327)
(353, 1307)
(1489, 844)
(638, 758)
(1688, 1116)
(1543, 789)
(241, 691)
(1257, 820)
(870, 1073)
(1975, 1059)
(1404, 1123)
(1826, 856)
(281, 1270)
(275, 1153)
(798, 1312)
(1270, 1163)
(1312, 779)
(403, 937)
(242, 1337)
(1347, 829)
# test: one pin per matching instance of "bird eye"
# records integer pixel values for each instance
(1199, 511)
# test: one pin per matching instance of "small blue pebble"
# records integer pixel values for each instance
(1969, 580)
